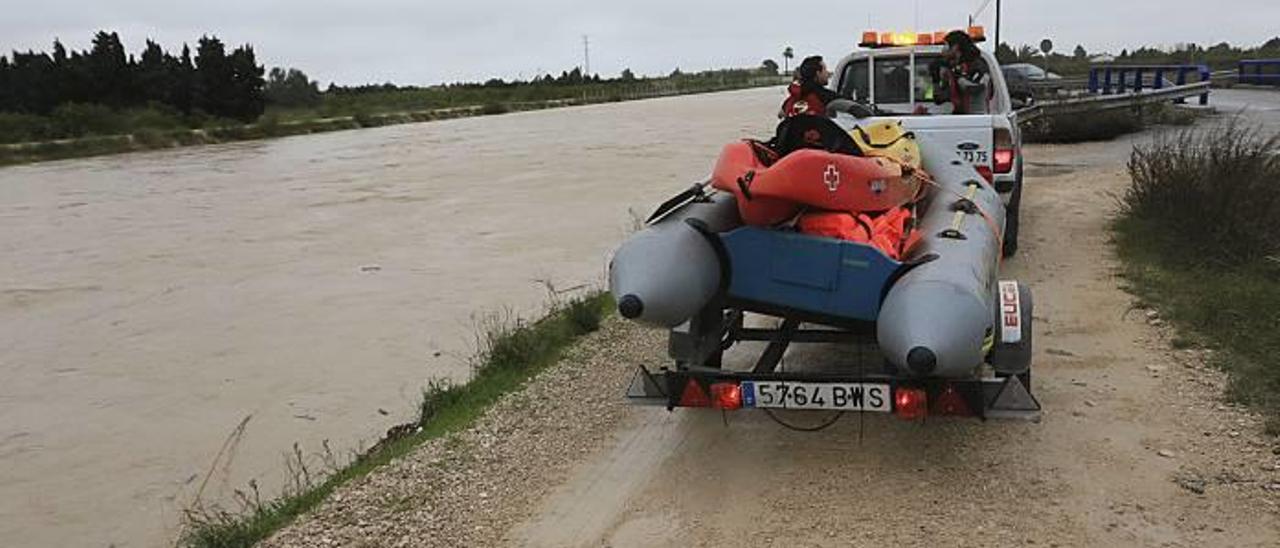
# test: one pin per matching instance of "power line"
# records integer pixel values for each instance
(985, 4)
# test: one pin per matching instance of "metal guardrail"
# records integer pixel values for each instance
(1028, 114)
(1262, 72)
(1113, 101)
(1061, 83)
(1101, 78)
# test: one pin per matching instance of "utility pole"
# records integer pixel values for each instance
(997, 48)
(586, 56)
(974, 17)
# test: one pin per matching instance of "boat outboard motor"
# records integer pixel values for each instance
(667, 272)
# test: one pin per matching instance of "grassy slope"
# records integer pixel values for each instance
(1234, 310)
(509, 356)
(1198, 231)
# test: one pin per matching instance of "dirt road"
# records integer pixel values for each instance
(1091, 473)
(1136, 447)
(1128, 435)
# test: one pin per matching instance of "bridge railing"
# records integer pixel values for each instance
(1259, 72)
(1109, 79)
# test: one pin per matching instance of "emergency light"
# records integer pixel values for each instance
(873, 39)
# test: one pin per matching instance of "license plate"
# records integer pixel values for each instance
(814, 395)
(974, 156)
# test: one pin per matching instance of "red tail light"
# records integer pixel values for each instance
(694, 396)
(951, 402)
(910, 403)
(1004, 153)
(726, 395)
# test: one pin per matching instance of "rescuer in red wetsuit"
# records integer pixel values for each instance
(808, 93)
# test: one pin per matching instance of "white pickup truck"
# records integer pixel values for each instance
(895, 81)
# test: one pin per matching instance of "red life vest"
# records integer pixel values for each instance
(798, 102)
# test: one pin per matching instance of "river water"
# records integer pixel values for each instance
(151, 302)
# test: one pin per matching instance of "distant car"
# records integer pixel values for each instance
(1020, 78)
(1029, 71)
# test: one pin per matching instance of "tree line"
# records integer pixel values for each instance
(564, 85)
(1218, 56)
(212, 81)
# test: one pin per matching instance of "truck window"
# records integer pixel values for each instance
(894, 80)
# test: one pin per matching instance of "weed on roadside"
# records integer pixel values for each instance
(1197, 229)
(1105, 125)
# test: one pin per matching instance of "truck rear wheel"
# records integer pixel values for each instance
(1011, 220)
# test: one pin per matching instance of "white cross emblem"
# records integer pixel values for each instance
(832, 177)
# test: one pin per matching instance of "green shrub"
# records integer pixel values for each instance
(1102, 125)
(18, 127)
(365, 119)
(1217, 190)
(152, 138)
(81, 119)
(154, 116)
(1197, 228)
(494, 108)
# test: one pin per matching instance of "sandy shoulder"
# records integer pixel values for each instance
(468, 489)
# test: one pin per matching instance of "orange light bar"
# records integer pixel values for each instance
(874, 39)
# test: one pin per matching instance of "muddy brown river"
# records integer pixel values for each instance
(151, 302)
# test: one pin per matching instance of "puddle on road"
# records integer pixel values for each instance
(1048, 169)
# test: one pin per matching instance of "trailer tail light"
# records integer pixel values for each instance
(726, 395)
(1004, 152)
(910, 403)
(694, 396)
(952, 403)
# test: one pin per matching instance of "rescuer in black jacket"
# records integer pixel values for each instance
(961, 76)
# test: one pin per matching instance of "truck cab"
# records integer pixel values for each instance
(895, 81)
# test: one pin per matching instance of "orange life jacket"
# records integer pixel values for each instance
(890, 232)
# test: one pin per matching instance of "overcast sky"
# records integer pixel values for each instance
(430, 41)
